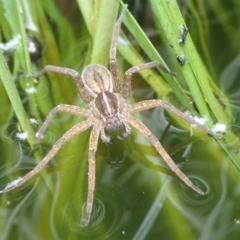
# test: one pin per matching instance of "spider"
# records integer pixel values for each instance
(108, 110)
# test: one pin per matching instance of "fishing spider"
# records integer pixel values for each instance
(108, 109)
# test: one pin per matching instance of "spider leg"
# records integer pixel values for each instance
(75, 130)
(148, 104)
(113, 51)
(146, 132)
(66, 71)
(128, 75)
(74, 110)
(93, 142)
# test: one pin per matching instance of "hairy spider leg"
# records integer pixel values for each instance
(148, 104)
(157, 145)
(93, 142)
(74, 110)
(67, 71)
(113, 51)
(75, 130)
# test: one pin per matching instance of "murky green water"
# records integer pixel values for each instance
(136, 196)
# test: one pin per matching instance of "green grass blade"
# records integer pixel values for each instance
(16, 100)
(195, 74)
(152, 53)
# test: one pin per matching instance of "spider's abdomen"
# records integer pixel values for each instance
(107, 104)
(97, 79)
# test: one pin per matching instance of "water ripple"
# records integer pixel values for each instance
(105, 212)
(211, 188)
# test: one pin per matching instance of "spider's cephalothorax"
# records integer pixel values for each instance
(108, 109)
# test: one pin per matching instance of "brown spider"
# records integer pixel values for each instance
(108, 109)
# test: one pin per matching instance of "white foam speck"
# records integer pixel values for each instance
(21, 135)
